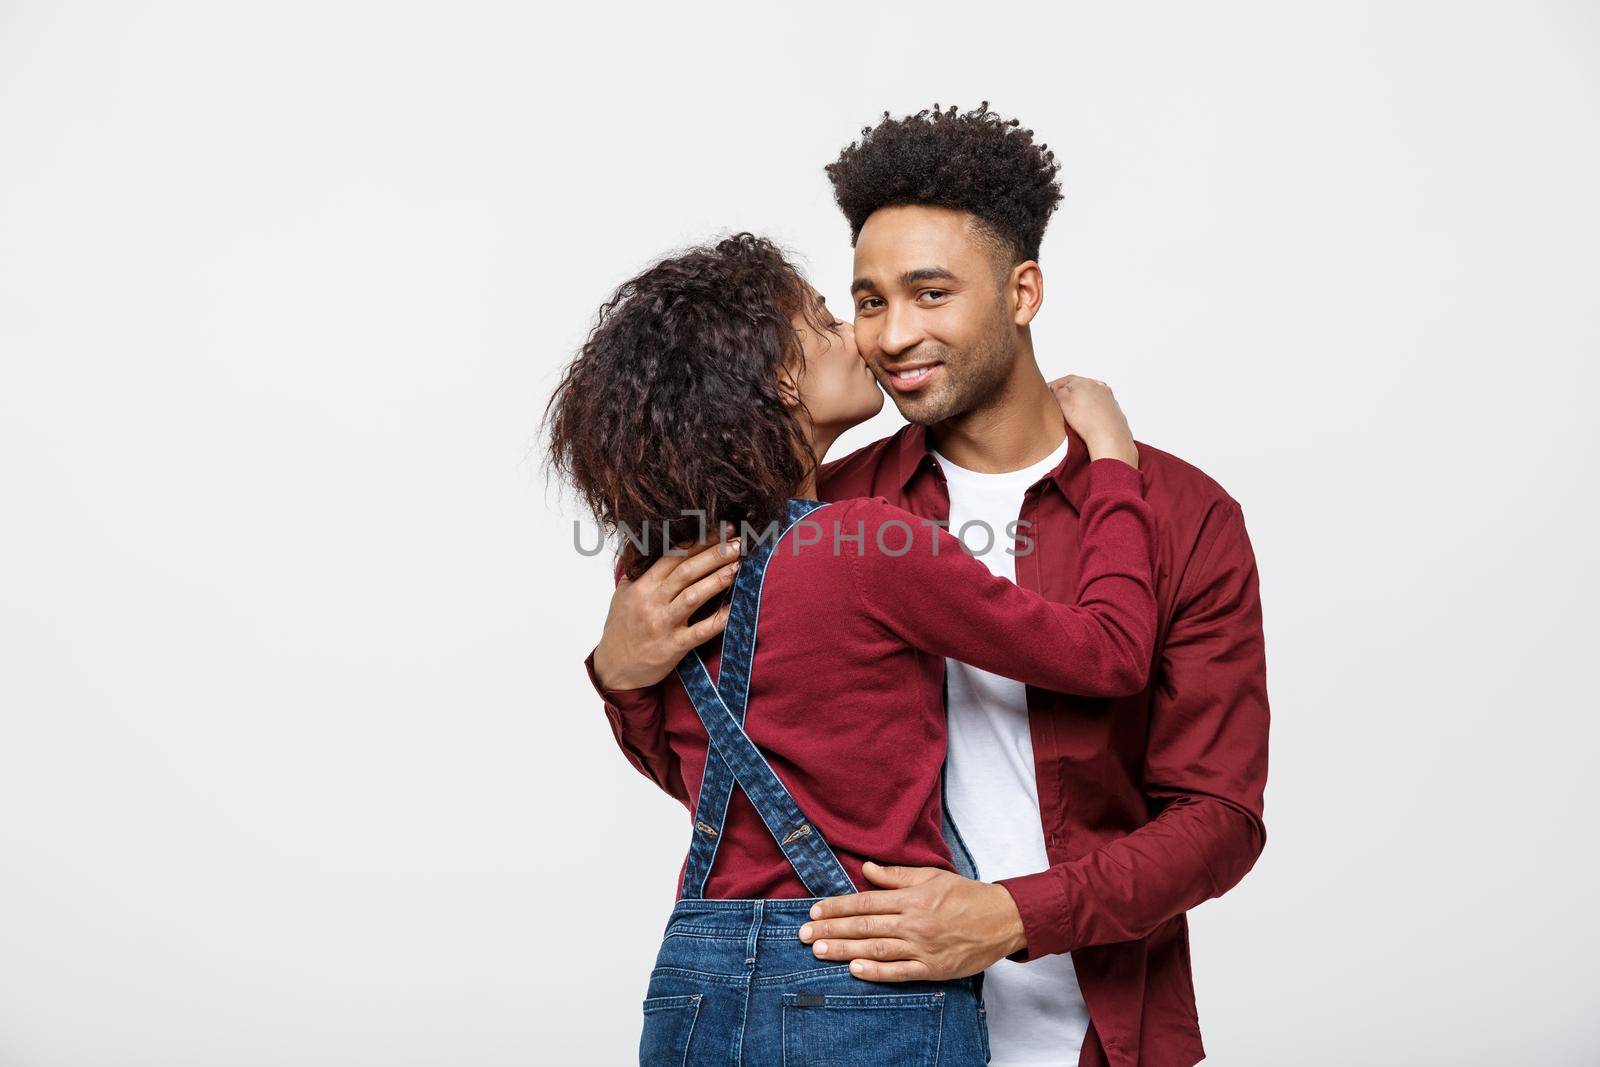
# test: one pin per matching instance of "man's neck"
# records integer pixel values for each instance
(1017, 427)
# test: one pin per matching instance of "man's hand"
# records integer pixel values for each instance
(647, 628)
(927, 925)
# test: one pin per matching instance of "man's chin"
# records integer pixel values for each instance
(923, 410)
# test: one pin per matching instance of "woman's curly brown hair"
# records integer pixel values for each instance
(669, 420)
(972, 161)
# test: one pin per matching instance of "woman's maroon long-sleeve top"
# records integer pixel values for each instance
(862, 603)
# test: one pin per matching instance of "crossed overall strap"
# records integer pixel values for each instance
(731, 754)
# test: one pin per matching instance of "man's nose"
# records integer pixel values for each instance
(899, 332)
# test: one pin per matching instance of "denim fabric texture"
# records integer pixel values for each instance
(733, 985)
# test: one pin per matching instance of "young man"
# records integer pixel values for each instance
(1094, 824)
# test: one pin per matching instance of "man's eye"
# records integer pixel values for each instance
(868, 303)
(935, 293)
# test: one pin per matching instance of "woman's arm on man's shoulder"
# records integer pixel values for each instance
(917, 581)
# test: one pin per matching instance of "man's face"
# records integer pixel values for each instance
(933, 320)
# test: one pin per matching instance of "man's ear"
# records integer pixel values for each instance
(1026, 291)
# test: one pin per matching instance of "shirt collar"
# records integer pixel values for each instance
(1071, 474)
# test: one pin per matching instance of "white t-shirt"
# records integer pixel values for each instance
(1036, 1012)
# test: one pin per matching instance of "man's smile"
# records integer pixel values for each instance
(909, 377)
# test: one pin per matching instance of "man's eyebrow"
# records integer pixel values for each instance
(908, 279)
(926, 274)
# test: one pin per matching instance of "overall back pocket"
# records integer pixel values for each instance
(668, 1029)
(844, 1030)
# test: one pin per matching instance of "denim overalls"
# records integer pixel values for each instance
(733, 985)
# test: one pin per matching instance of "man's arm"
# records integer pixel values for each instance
(649, 627)
(1205, 765)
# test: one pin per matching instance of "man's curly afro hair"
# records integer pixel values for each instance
(973, 161)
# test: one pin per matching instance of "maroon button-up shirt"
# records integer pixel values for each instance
(1149, 804)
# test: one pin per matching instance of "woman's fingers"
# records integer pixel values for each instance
(690, 600)
(702, 590)
(1067, 381)
(707, 628)
(666, 563)
(688, 570)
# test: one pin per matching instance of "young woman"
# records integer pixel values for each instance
(709, 390)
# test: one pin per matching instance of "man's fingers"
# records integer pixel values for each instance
(882, 902)
(690, 569)
(894, 971)
(875, 948)
(897, 877)
(855, 927)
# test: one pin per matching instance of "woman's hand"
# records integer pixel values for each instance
(648, 629)
(1093, 413)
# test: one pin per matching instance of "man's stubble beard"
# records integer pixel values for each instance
(981, 379)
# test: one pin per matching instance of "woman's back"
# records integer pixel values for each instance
(849, 717)
(860, 604)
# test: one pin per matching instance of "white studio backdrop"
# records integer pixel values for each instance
(298, 763)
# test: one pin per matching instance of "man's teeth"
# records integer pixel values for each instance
(919, 372)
